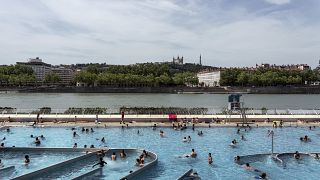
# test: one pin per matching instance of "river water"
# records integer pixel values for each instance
(114, 100)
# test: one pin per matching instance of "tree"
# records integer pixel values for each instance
(52, 78)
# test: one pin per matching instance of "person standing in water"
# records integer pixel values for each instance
(210, 161)
(101, 163)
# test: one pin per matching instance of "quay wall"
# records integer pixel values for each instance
(153, 118)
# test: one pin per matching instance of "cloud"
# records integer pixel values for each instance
(226, 33)
(278, 2)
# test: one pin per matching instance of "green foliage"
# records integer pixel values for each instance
(148, 74)
(96, 110)
(266, 77)
(52, 78)
(163, 110)
(16, 75)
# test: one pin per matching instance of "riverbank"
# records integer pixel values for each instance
(171, 90)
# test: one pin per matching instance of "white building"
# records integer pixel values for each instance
(209, 79)
(39, 68)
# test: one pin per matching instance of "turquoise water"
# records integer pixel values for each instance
(170, 147)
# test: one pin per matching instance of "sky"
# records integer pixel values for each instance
(226, 33)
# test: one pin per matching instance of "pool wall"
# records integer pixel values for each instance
(138, 172)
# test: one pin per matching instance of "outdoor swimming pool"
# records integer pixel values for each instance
(169, 148)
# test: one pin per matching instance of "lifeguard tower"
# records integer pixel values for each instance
(235, 106)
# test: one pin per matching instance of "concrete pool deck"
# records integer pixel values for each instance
(147, 124)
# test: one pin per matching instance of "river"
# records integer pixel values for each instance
(114, 101)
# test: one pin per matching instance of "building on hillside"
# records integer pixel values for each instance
(301, 67)
(177, 60)
(209, 79)
(66, 74)
(39, 68)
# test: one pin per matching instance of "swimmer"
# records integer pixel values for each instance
(75, 145)
(92, 146)
(8, 130)
(200, 133)
(37, 141)
(296, 155)
(101, 163)
(262, 176)
(237, 158)
(123, 154)
(238, 131)
(103, 140)
(210, 161)
(75, 134)
(83, 130)
(42, 137)
(141, 163)
(85, 146)
(113, 156)
(4, 138)
(145, 153)
(1, 145)
(316, 156)
(137, 162)
(92, 130)
(26, 159)
(161, 133)
(248, 167)
(138, 132)
(193, 154)
(242, 138)
(184, 139)
(189, 138)
(31, 136)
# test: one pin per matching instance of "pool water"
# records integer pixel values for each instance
(38, 161)
(171, 147)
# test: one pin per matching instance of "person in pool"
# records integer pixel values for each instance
(37, 141)
(248, 167)
(113, 156)
(103, 140)
(210, 161)
(184, 139)
(193, 154)
(75, 134)
(26, 159)
(189, 138)
(296, 155)
(161, 133)
(101, 163)
(262, 176)
(75, 145)
(144, 153)
(237, 158)
(1, 145)
(123, 154)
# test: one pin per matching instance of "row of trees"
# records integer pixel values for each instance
(149, 74)
(16, 75)
(267, 77)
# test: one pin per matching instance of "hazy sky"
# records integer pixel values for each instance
(225, 32)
